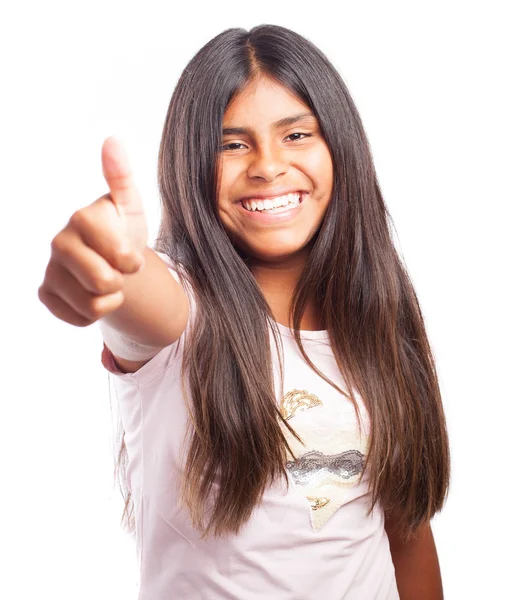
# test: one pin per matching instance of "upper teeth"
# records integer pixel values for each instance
(270, 203)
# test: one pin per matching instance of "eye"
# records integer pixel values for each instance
(294, 138)
(232, 146)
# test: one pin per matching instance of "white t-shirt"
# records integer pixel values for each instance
(309, 542)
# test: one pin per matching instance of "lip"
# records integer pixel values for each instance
(273, 194)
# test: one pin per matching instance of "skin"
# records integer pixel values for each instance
(261, 157)
(269, 158)
(416, 563)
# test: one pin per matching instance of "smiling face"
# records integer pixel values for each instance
(276, 173)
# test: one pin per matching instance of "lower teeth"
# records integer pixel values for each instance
(277, 210)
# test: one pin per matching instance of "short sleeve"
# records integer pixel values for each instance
(108, 361)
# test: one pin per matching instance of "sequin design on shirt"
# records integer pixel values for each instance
(297, 400)
(328, 465)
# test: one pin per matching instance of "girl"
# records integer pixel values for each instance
(284, 435)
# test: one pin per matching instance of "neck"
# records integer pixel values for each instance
(278, 281)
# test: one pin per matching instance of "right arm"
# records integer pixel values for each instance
(154, 311)
(101, 268)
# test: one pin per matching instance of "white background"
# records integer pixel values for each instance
(440, 88)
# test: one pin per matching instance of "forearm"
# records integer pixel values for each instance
(155, 307)
(416, 566)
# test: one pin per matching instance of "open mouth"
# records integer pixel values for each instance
(273, 205)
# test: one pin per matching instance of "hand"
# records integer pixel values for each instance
(101, 243)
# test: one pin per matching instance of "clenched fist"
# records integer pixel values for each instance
(101, 244)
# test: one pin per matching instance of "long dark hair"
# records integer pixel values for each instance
(365, 298)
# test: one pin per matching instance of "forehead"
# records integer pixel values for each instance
(263, 101)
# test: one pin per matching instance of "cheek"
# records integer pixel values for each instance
(320, 169)
(229, 173)
(228, 191)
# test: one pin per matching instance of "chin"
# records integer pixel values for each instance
(282, 253)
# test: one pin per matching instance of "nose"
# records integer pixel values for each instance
(268, 164)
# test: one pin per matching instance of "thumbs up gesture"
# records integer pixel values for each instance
(100, 245)
(124, 195)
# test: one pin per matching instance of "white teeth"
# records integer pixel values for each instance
(270, 204)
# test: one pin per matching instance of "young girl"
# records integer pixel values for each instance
(284, 435)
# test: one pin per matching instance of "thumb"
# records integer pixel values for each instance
(117, 172)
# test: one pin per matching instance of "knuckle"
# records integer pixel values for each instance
(79, 219)
(103, 282)
(124, 250)
(59, 243)
(95, 309)
(42, 296)
(100, 306)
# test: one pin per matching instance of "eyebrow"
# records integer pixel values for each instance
(281, 123)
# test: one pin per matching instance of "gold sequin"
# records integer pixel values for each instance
(317, 503)
(297, 400)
